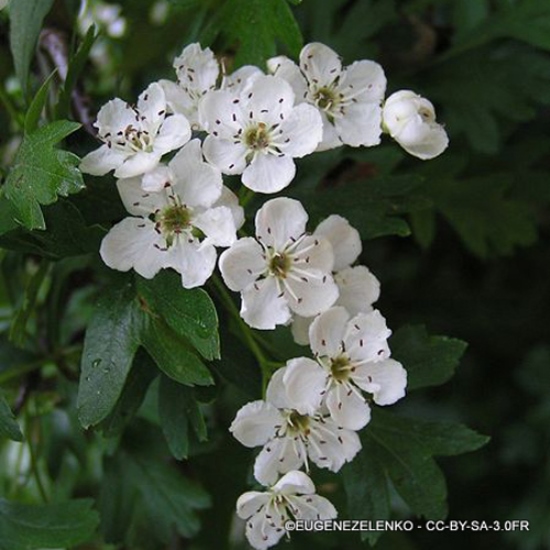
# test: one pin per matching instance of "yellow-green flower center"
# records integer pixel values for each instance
(257, 137)
(298, 423)
(326, 99)
(340, 368)
(279, 265)
(172, 221)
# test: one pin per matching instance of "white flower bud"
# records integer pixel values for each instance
(410, 120)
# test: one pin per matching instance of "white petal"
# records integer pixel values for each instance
(262, 534)
(221, 112)
(197, 68)
(314, 253)
(276, 391)
(242, 264)
(360, 125)
(178, 100)
(277, 457)
(134, 243)
(152, 105)
(345, 240)
(249, 503)
(241, 78)
(301, 131)
(326, 332)
(255, 423)
(310, 298)
(279, 221)
(286, 69)
(262, 307)
(300, 329)
(295, 483)
(228, 156)
(269, 99)
(366, 337)
(304, 381)
(137, 164)
(173, 133)
(268, 173)
(231, 201)
(347, 409)
(330, 139)
(433, 144)
(113, 117)
(193, 261)
(365, 80)
(385, 380)
(157, 179)
(138, 201)
(102, 160)
(196, 183)
(359, 289)
(320, 64)
(334, 445)
(218, 226)
(325, 508)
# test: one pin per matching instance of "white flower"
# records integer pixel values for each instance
(238, 80)
(257, 131)
(358, 287)
(349, 98)
(292, 497)
(135, 138)
(291, 434)
(351, 355)
(181, 213)
(197, 71)
(410, 120)
(285, 270)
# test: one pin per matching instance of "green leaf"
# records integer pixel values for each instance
(179, 409)
(28, 527)
(23, 313)
(111, 341)
(401, 451)
(140, 489)
(256, 25)
(26, 18)
(173, 356)
(37, 105)
(139, 379)
(41, 173)
(188, 312)
(8, 424)
(483, 210)
(429, 360)
(373, 206)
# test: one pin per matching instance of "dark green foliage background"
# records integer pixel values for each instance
(461, 245)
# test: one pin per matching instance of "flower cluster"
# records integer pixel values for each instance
(253, 125)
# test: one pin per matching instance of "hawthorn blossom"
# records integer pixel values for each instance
(290, 434)
(410, 120)
(135, 138)
(292, 497)
(358, 287)
(351, 356)
(283, 270)
(348, 98)
(257, 131)
(180, 213)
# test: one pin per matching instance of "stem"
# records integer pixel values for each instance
(245, 196)
(10, 108)
(34, 464)
(246, 331)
